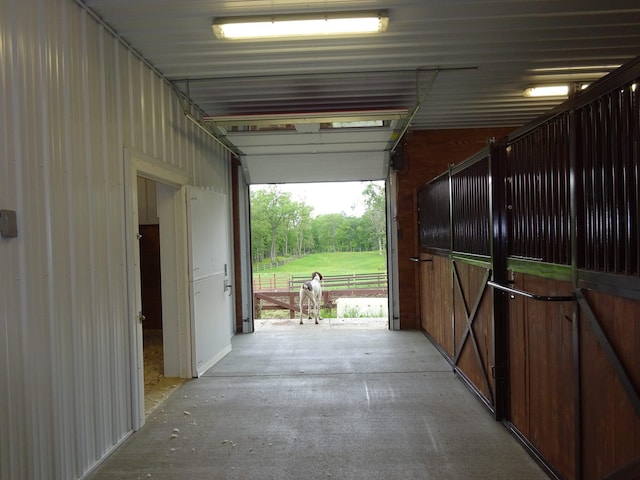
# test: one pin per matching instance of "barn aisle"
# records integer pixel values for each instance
(318, 404)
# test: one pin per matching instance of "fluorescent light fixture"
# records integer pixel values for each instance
(338, 23)
(552, 90)
(547, 91)
(362, 123)
(590, 68)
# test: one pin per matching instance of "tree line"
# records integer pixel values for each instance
(283, 227)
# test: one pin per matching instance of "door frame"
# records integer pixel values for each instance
(174, 257)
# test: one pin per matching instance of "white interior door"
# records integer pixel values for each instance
(210, 294)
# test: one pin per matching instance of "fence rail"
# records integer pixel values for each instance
(280, 282)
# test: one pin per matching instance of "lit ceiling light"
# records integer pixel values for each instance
(590, 68)
(339, 23)
(547, 91)
(553, 90)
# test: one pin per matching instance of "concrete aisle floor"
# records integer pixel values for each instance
(323, 404)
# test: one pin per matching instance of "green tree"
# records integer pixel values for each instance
(301, 226)
(272, 208)
(280, 226)
(375, 213)
(326, 231)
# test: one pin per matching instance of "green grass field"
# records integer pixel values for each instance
(341, 263)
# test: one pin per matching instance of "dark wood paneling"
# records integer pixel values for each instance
(611, 427)
(542, 373)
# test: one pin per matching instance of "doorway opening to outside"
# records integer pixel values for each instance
(338, 229)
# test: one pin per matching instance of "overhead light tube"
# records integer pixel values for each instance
(547, 91)
(339, 23)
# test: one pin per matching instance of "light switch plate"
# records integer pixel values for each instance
(8, 224)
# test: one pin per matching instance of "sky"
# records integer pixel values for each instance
(338, 197)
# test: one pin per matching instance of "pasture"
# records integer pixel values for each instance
(338, 263)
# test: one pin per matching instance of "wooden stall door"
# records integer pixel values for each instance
(473, 328)
(610, 415)
(542, 371)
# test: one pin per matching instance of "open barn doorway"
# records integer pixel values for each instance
(338, 229)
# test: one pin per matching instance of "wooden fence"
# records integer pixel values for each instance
(281, 291)
(286, 282)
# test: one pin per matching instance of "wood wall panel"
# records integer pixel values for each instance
(543, 375)
(427, 154)
(610, 426)
(518, 367)
(437, 301)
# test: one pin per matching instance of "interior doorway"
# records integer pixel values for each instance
(165, 208)
(161, 376)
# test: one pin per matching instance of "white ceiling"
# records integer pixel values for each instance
(446, 63)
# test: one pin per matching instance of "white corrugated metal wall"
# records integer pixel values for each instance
(72, 98)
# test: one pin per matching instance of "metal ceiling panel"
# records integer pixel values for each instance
(455, 64)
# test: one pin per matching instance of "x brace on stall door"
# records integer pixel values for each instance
(610, 353)
(470, 317)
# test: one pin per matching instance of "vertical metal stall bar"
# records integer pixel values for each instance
(635, 177)
(574, 188)
(566, 184)
(530, 209)
(607, 165)
(498, 183)
(595, 191)
(553, 171)
(534, 195)
(584, 259)
(451, 235)
(626, 153)
(546, 173)
(601, 154)
(616, 138)
(543, 193)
